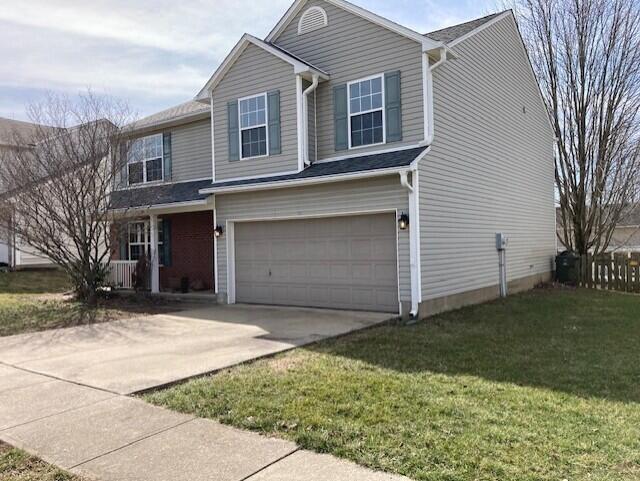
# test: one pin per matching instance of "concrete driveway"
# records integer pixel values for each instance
(133, 355)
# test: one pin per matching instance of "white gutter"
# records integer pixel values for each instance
(305, 118)
(278, 184)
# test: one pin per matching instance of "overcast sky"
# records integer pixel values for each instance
(153, 53)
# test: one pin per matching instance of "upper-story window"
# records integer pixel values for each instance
(366, 112)
(253, 126)
(145, 160)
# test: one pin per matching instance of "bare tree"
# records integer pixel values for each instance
(57, 184)
(586, 54)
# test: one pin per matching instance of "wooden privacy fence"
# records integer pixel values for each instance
(612, 271)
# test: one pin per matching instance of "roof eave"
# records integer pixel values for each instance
(301, 182)
(426, 43)
(298, 66)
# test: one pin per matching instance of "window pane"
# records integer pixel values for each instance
(376, 85)
(377, 118)
(376, 101)
(244, 120)
(354, 90)
(365, 87)
(253, 118)
(377, 135)
(367, 136)
(254, 142)
(355, 106)
(261, 117)
(154, 170)
(261, 103)
(252, 105)
(366, 103)
(135, 173)
(244, 106)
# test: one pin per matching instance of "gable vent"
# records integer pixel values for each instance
(312, 19)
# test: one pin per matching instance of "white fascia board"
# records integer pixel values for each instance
(298, 66)
(427, 43)
(145, 208)
(302, 182)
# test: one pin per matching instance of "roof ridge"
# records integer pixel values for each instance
(452, 32)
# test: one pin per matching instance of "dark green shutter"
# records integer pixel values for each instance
(273, 103)
(233, 130)
(166, 242)
(123, 241)
(393, 106)
(340, 117)
(166, 151)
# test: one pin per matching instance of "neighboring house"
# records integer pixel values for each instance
(356, 164)
(17, 254)
(625, 237)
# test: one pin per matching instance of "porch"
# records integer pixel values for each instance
(179, 247)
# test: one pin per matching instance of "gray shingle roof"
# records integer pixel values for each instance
(9, 127)
(449, 34)
(182, 111)
(366, 163)
(189, 191)
(159, 194)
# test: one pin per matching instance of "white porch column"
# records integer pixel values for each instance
(153, 255)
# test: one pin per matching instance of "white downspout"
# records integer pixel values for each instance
(427, 86)
(414, 226)
(305, 117)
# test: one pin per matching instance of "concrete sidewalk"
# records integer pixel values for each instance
(110, 437)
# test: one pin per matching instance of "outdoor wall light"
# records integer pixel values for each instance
(218, 231)
(403, 221)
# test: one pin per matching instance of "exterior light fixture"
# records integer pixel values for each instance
(218, 231)
(403, 221)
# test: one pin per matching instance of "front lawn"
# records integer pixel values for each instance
(16, 465)
(36, 300)
(541, 386)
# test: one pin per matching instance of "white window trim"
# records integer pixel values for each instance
(144, 163)
(147, 238)
(265, 125)
(383, 109)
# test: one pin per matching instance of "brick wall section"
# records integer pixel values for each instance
(191, 250)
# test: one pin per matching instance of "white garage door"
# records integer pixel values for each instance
(339, 262)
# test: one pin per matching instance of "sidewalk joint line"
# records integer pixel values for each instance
(77, 383)
(131, 443)
(275, 461)
(57, 414)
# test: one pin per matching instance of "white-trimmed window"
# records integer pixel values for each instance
(145, 160)
(254, 134)
(366, 112)
(139, 240)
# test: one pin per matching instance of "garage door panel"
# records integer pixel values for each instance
(342, 262)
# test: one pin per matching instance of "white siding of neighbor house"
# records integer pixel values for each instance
(490, 168)
(255, 72)
(348, 197)
(30, 257)
(4, 252)
(351, 48)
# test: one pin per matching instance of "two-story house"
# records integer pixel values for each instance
(346, 161)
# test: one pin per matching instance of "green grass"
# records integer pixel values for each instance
(34, 301)
(541, 386)
(16, 465)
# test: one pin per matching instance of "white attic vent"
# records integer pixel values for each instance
(312, 19)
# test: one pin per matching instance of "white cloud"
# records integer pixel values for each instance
(153, 52)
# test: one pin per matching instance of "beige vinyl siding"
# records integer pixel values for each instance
(30, 257)
(349, 197)
(490, 168)
(191, 151)
(351, 48)
(255, 72)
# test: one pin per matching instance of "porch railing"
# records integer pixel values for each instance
(121, 274)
